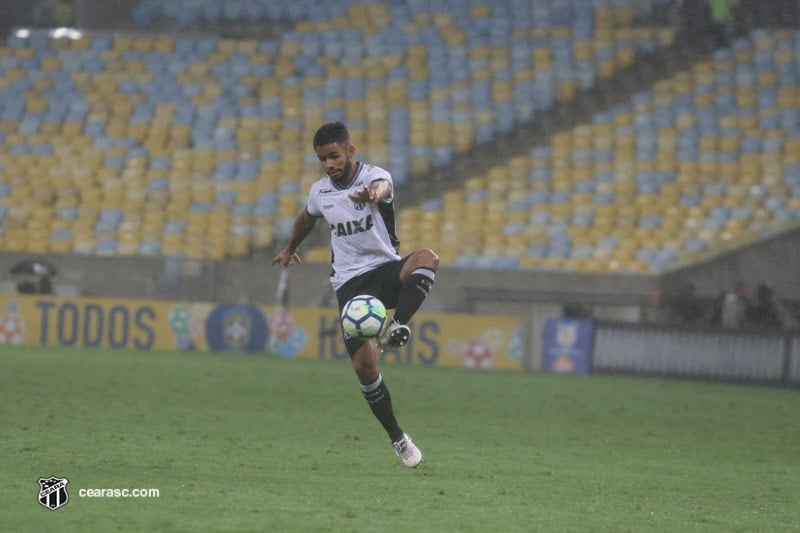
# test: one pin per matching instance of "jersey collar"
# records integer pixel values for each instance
(350, 183)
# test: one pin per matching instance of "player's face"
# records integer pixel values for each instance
(337, 160)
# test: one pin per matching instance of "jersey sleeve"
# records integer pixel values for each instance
(312, 204)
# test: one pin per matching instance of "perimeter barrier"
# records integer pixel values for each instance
(737, 356)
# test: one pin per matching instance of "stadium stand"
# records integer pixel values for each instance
(197, 146)
(702, 162)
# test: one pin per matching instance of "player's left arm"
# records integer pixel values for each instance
(375, 192)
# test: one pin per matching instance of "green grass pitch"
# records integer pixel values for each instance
(240, 442)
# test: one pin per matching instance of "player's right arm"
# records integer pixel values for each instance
(303, 225)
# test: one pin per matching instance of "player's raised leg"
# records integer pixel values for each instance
(417, 277)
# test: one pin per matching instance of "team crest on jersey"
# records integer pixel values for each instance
(359, 206)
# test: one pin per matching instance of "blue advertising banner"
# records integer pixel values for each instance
(567, 346)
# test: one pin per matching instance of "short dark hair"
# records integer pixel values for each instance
(331, 132)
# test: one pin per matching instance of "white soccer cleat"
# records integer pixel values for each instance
(395, 335)
(408, 452)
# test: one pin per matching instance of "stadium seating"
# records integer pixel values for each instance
(141, 144)
(702, 162)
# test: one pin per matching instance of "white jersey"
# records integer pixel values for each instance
(363, 235)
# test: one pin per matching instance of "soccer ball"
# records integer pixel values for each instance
(363, 316)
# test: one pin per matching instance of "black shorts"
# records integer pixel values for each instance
(382, 282)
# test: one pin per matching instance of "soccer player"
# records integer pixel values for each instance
(357, 202)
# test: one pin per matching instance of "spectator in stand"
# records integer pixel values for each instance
(734, 306)
(687, 307)
(722, 14)
(45, 285)
(697, 27)
(769, 312)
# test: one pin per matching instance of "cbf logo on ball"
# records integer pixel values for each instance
(237, 328)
